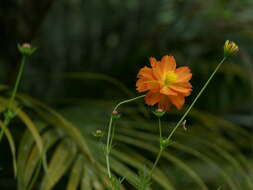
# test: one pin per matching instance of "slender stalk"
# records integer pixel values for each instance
(160, 127)
(127, 101)
(156, 161)
(15, 89)
(13, 94)
(109, 138)
(160, 151)
(108, 148)
(112, 134)
(186, 113)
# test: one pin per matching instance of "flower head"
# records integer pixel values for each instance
(230, 48)
(166, 84)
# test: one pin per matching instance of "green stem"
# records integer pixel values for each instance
(160, 127)
(13, 94)
(156, 162)
(15, 89)
(127, 101)
(112, 135)
(160, 151)
(108, 148)
(186, 113)
(109, 139)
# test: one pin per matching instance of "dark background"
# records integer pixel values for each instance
(116, 38)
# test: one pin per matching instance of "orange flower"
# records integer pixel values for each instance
(166, 84)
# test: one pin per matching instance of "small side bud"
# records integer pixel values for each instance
(159, 112)
(116, 182)
(9, 115)
(26, 49)
(230, 48)
(115, 114)
(164, 143)
(98, 133)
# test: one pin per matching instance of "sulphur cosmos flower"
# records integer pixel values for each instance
(166, 84)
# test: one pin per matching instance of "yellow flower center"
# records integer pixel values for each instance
(170, 78)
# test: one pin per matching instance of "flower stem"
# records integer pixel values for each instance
(156, 161)
(13, 94)
(108, 148)
(127, 101)
(186, 113)
(160, 127)
(109, 138)
(160, 151)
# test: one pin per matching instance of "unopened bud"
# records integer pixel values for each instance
(26, 49)
(165, 142)
(9, 114)
(98, 133)
(115, 114)
(230, 48)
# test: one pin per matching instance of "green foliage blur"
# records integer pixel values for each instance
(89, 53)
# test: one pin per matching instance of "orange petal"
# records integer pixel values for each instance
(168, 63)
(178, 101)
(186, 93)
(145, 72)
(172, 62)
(184, 84)
(164, 103)
(181, 89)
(158, 71)
(152, 98)
(183, 74)
(168, 91)
(144, 84)
(153, 61)
(141, 85)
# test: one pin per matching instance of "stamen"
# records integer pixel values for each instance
(170, 78)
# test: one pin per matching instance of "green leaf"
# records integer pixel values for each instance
(60, 162)
(76, 174)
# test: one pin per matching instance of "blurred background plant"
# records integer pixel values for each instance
(85, 46)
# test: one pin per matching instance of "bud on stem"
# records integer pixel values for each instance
(230, 48)
(26, 49)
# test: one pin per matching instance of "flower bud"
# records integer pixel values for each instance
(159, 112)
(230, 48)
(26, 49)
(98, 133)
(9, 114)
(165, 142)
(115, 114)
